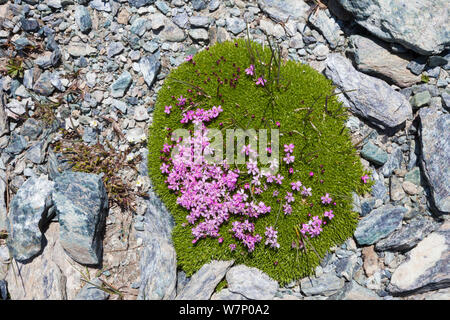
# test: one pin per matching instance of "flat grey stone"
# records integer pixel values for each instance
(378, 224)
(120, 86)
(327, 284)
(202, 284)
(27, 217)
(372, 98)
(149, 67)
(252, 283)
(81, 204)
(91, 291)
(435, 144)
(374, 154)
(83, 19)
(226, 294)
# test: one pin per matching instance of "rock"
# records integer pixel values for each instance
(139, 26)
(149, 67)
(407, 237)
(100, 5)
(140, 3)
(446, 100)
(235, 25)
(272, 29)
(29, 25)
(321, 51)
(43, 85)
(327, 284)
(48, 59)
(327, 26)
(373, 57)
(379, 224)
(158, 265)
(345, 267)
(27, 218)
(213, 5)
(3, 290)
(354, 291)
(49, 276)
(171, 32)
(83, 19)
(115, 48)
(251, 283)
(435, 145)
(3, 212)
(198, 5)
(81, 203)
(181, 20)
(427, 266)
(16, 145)
(394, 161)
(410, 188)
(413, 176)
(282, 10)
(80, 49)
(422, 26)
(91, 291)
(371, 263)
(226, 294)
(417, 65)
(120, 86)
(162, 6)
(140, 113)
(199, 21)
(373, 99)
(421, 99)
(374, 154)
(36, 153)
(204, 281)
(199, 34)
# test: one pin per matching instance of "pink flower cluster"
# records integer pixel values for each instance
(271, 237)
(201, 115)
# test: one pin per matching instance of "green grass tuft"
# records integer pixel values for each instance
(311, 117)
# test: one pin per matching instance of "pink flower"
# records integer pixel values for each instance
(167, 109)
(220, 240)
(232, 247)
(289, 148)
(365, 178)
(275, 193)
(181, 101)
(289, 158)
(261, 81)
(287, 209)
(296, 185)
(326, 199)
(250, 70)
(188, 58)
(289, 198)
(311, 174)
(291, 170)
(278, 124)
(329, 214)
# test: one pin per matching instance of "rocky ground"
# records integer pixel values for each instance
(87, 73)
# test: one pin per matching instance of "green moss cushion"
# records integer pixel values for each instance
(308, 115)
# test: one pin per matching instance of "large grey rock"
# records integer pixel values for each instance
(27, 218)
(171, 32)
(92, 291)
(378, 224)
(373, 99)
(427, 267)
(83, 19)
(204, 281)
(421, 25)
(282, 10)
(407, 237)
(81, 203)
(327, 26)
(327, 284)
(158, 263)
(252, 283)
(149, 67)
(354, 291)
(435, 144)
(372, 57)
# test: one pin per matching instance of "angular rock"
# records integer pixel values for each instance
(43, 85)
(3, 290)
(427, 266)
(16, 145)
(204, 281)
(140, 3)
(226, 294)
(139, 26)
(91, 291)
(374, 154)
(372, 57)
(199, 34)
(354, 291)
(198, 5)
(373, 99)
(36, 153)
(80, 49)
(327, 284)
(235, 25)
(378, 224)
(422, 26)
(171, 32)
(394, 161)
(327, 26)
(199, 21)
(435, 145)
(421, 99)
(83, 19)
(252, 283)
(29, 25)
(27, 218)
(81, 203)
(158, 265)
(114, 49)
(282, 10)
(149, 67)
(100, 5)
(407, 237)
(120, 86)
